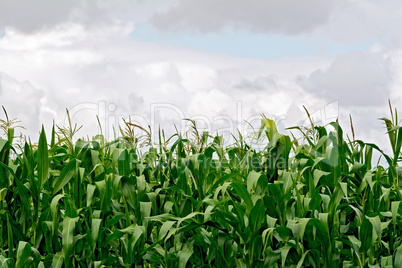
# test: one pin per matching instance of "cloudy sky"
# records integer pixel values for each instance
(218, 62)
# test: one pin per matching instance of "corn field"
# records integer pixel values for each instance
(190, 201)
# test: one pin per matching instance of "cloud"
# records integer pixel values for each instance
(285, 16)
(355, 78)
(103, 70)
(258, 84)
(21, 101)
(31, 16)
(396, 92)
(355, 21)
(62, 35)
(322, 25)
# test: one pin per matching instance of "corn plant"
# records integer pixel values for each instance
(190, 201)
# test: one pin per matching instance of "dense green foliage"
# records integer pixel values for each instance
(192, 202)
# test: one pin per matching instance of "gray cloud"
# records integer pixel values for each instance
(355, 78)
(285, 16)
(345, 22)
(266, 83)
(28, 15)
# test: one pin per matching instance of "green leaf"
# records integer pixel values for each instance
(66, 174)
(398, 257)
(287, 178)
(23, 253)
(365, 235)
(257, 215)
(394, 210)
(90, 193)
(10, 237)
(67, 236)
(300, 263)
(242, 192)
(42, 159)
(185, 254)
(95, 228)
(318, 174)
(166, 226)
(57, 261)
(284, 254)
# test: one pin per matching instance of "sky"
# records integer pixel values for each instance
(222, 63)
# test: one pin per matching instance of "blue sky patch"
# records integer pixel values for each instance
(248, 44)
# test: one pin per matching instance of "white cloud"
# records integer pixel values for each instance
(62, 35)
(86, 71)
(358, 20)
(211, 103)
(22, 101)
(196, 77)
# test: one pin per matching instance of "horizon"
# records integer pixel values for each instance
(202, 60)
